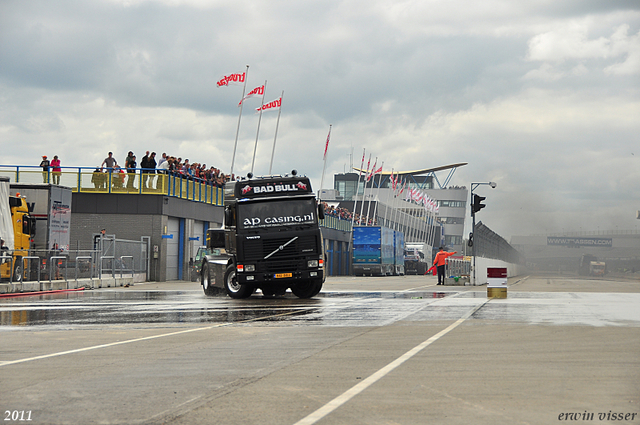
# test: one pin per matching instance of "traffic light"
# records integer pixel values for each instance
(477, 203)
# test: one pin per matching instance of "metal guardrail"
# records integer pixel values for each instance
(336, 223)
(37, 259)
(83, 258)
(82, 264)
(122, 269)
(107, 257)
(458, 267)
(53, 264)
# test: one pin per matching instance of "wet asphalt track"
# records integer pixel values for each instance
(367, 350)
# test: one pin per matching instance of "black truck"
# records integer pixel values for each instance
(271, 240)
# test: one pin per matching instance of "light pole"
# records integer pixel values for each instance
(475, 207)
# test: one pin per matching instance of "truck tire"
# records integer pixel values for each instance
(307, 289)
(205, 279)
(234, 289)
(18, 273)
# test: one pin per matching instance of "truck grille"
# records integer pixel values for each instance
(257, 249)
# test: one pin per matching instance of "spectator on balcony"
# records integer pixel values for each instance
(98, 178)
(117, 178)
(163, 159)
(45, 169)
(109, 161)
(127, 159)
(148, 165)
(56, 170)
(131, 171)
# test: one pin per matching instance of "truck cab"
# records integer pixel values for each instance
(23, 230)
(271, 240)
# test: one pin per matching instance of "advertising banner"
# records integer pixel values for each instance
(579, 242)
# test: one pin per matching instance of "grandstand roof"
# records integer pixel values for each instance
(418, 172)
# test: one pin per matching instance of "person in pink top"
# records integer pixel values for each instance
(55, 169)
(440, 261)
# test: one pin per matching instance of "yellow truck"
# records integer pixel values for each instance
(597, 268)
(17, 229)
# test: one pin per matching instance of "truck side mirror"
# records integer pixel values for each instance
(320, 212)
(215, 238)
(228, 217)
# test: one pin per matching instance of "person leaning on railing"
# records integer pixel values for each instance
(56, 170)
(45, 169)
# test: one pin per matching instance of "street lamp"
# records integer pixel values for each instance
(476, 205)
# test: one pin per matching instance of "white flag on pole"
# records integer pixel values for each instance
(234, 79)
(257, 92)
(271, 106)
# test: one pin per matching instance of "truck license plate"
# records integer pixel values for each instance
(281, 275)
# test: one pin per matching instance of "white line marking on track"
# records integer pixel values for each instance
(358, 388)
(146, 338)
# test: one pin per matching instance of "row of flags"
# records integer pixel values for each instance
(397, 183)
(240, 79)
(421, 198)
(258, 92)
(399, 186)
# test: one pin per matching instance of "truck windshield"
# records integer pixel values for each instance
(261, 214)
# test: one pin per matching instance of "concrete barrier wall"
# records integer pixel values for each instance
(56, 285)
(482, 264)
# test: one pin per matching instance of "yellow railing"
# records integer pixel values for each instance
(88, 180)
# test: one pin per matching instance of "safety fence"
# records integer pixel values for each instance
(111, 258)
(489, 244)
(336, 223)
(140, 181)
(458, 267)
(68, 266)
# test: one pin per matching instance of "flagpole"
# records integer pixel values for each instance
(375, 209)
(235, 145)
(324, 160)
(255, 146)
(373, 176)
(387, 201)
(273, 151)
(364, 190)
(355, 201)
(395, 216)
(355, 196)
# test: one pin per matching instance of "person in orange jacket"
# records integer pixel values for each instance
(440, 261)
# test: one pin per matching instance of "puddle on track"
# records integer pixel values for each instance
(164, 307)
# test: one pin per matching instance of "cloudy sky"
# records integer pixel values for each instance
(540, 96)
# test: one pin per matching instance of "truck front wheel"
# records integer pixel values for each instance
(307, 289)
(234, 289)
(18, 275)
(206, 280)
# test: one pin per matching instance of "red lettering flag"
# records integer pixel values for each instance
(404, 184)
(326, 146)
(258, 91)
(273, 105)
(372, 169)
(235, 79)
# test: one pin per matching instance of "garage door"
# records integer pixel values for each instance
(173, 229)
(197, 238)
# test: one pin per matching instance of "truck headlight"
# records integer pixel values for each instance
(312, 264)
(250, 268)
